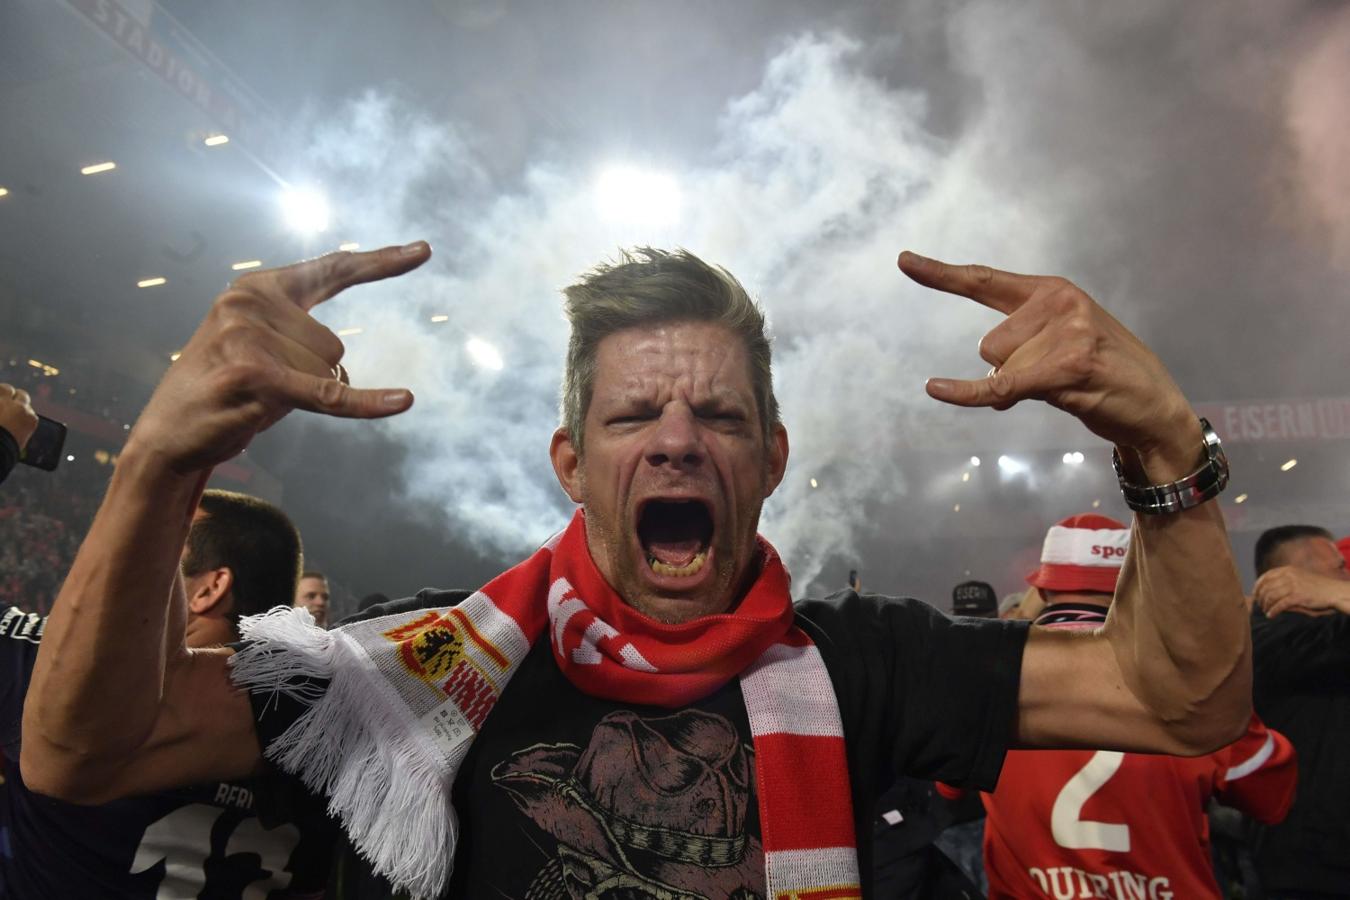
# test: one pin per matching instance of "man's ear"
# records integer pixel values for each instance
(776, 464)
(566, 464)
(211, 592)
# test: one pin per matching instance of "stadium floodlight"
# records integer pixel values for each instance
(1012, 466)
(628, 195)
(305, 210)
(975, 461)
(483, 354)
(1074, 458)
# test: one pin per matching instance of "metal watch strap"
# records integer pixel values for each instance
(1205, 483)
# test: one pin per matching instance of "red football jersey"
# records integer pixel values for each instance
(1127, 826)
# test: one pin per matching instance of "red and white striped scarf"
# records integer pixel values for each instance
(407, 694)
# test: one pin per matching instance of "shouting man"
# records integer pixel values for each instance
(638, 707)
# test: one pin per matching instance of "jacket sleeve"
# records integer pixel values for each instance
(1258, 773)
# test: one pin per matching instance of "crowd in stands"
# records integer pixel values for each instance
(43, 518)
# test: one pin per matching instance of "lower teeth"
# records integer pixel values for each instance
(689, 568)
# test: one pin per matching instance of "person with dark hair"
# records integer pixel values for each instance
(312, 593)
(1102, 823)
(243, 549)
(1278, 546)
(17, 424)
(241, 558)
(1301, 685)
(630, 710)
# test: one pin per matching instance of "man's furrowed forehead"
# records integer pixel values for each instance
(703, 358)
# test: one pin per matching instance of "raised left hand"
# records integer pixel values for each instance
(1058, 345)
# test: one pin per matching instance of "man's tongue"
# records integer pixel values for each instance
(674, 552)
(673, 534)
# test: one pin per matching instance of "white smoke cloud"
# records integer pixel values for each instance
(1319, 122)
(820, 175)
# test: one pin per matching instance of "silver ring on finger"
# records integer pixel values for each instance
(340, 373)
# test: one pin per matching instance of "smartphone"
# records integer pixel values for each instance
(44, 447)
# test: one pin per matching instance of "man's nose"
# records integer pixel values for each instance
(676, 441)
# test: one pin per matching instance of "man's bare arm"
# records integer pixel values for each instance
(1171, 669)
(140, 693)
(117, 704)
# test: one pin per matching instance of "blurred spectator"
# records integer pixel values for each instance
(312, 593)
(1084, 823)
(974, 598)
(241, 554)
(1301, 685)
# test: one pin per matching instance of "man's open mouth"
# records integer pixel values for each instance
(675, 536)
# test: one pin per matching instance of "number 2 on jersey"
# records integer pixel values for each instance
(1067, 825)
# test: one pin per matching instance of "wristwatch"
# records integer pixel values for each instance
(1205, 483)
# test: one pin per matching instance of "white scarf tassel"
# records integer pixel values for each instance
(390, 795)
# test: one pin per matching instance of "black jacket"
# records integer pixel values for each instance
(1302, 688)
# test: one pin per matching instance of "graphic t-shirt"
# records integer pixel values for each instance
(205, 841)
(565, 795)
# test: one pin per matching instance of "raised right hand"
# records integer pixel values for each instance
(260, 354)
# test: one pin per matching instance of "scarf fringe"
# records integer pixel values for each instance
(388, 786)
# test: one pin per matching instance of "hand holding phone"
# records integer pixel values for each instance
(16, 414)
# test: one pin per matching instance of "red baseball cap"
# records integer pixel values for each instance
(1082, 553)
(1343, 545)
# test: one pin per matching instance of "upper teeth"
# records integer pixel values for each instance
(690, 568)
